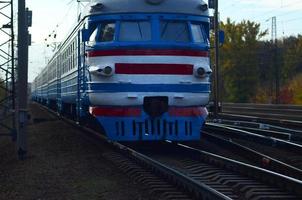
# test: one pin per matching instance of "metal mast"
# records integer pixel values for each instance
(274, 29)
(7, 70)
(22, 97)
(216, 69)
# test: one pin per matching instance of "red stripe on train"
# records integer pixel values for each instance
(148, 52)
(188, 112)
(147, 68)
(115, 112)
(136, 112)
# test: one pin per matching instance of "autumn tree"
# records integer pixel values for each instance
(240, 60)
(250, 66)
(291, 70)
(292, 57)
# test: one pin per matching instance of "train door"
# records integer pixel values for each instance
(82, 102)
(59, 97)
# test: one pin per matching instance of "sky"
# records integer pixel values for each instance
(58, 17)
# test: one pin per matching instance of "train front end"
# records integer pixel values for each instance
(149, 69)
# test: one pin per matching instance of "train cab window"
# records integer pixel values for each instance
(107, 32)
(174, 31)
(197, 33)
(135, 31)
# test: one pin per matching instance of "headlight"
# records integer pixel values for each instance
(101, 70)
(202, 72)
(108, 70)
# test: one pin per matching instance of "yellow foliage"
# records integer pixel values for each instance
(295, 86)
(262, 96)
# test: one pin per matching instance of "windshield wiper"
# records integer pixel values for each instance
(140, 30)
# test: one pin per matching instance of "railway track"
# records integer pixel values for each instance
(275, 111)
(231, 149)
(269, 130)
(174, 171)
(289, 116)
(232, 178)
(284, 151)
(162, 181)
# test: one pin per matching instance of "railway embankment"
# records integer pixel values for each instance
(61, 165)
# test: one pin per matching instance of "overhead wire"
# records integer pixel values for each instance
(54, 32)
(281, 7)
(276, 12)
(232, 5)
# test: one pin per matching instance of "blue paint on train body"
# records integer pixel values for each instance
(145, 128)
(126, 87)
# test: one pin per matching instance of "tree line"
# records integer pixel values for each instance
(254, 70)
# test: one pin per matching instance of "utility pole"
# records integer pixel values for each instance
(22, 109)
(216, 69)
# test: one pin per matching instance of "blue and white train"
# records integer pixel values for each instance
(140, 67)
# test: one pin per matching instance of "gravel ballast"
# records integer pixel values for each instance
(61, 164)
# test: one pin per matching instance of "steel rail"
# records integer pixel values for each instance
(265, 106)
(287, 134)
(255, 157)
(288, 183)
(283, 115)
(235, 179)
(200, 190)
(258, 125)
(284, 151)
(270, 141)
(294, 124)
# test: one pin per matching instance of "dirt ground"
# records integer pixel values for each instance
(61, 165)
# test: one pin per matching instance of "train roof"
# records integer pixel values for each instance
(193, 7)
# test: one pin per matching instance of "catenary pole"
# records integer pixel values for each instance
(216, 69)
(13, 72)
(22, 76)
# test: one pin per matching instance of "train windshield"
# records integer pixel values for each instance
(174, 31)
(135, 31)
(197, 33)
(170, 31)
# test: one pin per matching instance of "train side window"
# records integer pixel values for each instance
(92, 37)
(174, 31)
(197, 33)
(107, 32)
(135, 31)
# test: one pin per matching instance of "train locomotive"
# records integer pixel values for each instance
(141, 68)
